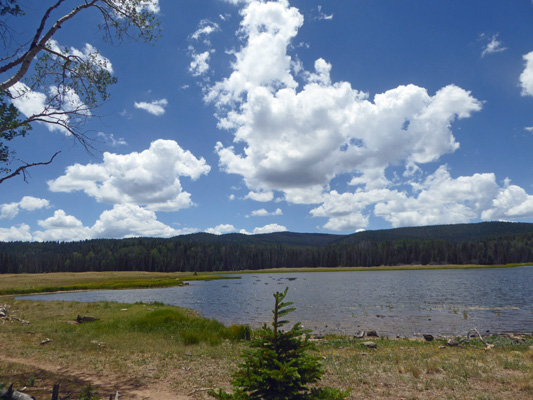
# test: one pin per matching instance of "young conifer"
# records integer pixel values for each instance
(278, 366)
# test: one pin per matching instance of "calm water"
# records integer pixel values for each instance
(446, 302)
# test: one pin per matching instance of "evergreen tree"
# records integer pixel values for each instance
(278, 367)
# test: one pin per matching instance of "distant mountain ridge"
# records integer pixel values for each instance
(285, 238)
(485, 243)
(453, 232)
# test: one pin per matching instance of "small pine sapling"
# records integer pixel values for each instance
(278, 366)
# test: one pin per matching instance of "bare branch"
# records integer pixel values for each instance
(22, 169)
(38, 44)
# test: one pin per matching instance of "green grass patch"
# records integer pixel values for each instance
(183, 326)
(113, 285)
(20, 284)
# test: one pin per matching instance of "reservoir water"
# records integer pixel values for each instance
(406, 303)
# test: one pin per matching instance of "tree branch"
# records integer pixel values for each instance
(38, 44)
(23, 168)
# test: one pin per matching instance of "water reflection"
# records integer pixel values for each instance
(444, 302)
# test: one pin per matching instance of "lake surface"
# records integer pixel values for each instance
(406, 303)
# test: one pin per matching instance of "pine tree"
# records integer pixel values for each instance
(278, 366)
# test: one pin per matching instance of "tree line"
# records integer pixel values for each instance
(196, 253)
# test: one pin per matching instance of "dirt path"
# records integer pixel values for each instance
(71, 379)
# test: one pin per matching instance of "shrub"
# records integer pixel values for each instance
(88, 393)
(279, 368)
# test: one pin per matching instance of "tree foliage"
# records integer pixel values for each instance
(501, 243)
(279, 367)
(69, 83)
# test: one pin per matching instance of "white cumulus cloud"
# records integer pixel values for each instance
(295, 131)
(61, 227)
(150, 178)
(269, 28)
(260, 196)
(440, 199)
(296, 140)
(128, 220)
(28, 203)
(511, 202)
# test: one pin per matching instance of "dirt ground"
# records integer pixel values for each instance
(71, 380)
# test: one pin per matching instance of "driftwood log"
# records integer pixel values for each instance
(10, 394)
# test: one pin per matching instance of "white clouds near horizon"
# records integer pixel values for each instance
(16, 233)
(264, 213)
(28, 203)
(62, 227)
(221, 229)
(270, 228)
(122, 221)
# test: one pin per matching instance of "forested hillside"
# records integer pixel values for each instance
(484, 243)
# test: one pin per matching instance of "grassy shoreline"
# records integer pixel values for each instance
(158, 351)
(175, 352)
(20, 284)
(380, 268)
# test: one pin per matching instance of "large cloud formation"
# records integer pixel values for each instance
(150, 178)
(296, 130)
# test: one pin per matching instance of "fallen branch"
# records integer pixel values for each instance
(479, 335)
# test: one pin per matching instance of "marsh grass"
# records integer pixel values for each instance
(18, 284)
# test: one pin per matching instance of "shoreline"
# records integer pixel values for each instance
(138, 343)
(384, 268)
(28, 284)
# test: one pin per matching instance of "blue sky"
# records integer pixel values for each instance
(307, 116)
